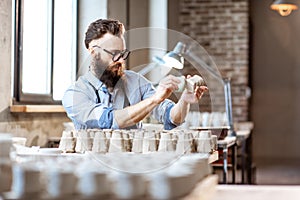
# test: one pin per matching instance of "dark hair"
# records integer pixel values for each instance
(102, 26)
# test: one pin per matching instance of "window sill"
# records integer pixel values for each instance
(37, 109)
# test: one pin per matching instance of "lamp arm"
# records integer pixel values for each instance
(228, 104)
(147, 69)
(203, 64)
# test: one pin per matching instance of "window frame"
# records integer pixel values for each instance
(19, 97)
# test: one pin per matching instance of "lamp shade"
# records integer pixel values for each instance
(162, 66)
(284, 7)
(174, 58)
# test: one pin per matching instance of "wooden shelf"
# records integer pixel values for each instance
(37, 109)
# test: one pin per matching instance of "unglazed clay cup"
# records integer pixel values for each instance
(204, 145)
(61, 183)
(182, 84)
(83, 144)
(93, 184)
(5, 144)
(99, 143)
(116, 145)
(205, 134)
(26, 181)
(193, 82)
(149, 142)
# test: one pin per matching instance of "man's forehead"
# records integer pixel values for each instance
(108, 40)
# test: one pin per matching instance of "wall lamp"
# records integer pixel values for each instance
(284, 7)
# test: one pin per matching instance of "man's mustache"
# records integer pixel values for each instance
(115, 65)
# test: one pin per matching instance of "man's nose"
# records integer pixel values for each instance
(121, 60)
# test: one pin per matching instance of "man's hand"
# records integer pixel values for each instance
(190, 97)
(165, 88)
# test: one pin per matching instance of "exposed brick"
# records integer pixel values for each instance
(221, 27)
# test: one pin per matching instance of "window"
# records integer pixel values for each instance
(45, 49)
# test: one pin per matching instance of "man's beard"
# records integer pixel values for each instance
(109, 75)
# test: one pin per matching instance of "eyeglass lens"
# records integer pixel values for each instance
(116, 56)
(124, 54)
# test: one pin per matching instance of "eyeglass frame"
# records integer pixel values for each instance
(119, 55)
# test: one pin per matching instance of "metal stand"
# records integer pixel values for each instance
(227, 90)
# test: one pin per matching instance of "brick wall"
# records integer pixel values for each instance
(221, 27)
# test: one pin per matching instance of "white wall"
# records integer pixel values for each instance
(89, 11)
(158, 18)
(5, 53)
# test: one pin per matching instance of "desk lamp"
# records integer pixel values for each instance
(172, 59)
(175, 59)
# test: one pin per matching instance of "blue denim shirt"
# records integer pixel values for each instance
(89, 104)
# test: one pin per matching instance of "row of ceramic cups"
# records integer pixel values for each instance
(205, 119)
(51, 178)
(137, 141)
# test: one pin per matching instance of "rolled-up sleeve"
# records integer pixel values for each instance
(169, 124)
(84, 112)
(162, 114)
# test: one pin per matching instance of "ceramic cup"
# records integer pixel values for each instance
(182, 84)
(26, 181)
(149, 142)
(61, 183)
(93, 184)
(205, 134)
(116, 143)
(99, 143)
(204, 145)
(5, 174)
(66, 133)
(193, 82)
(67, 144)
(5, 144)
(166, 142)
(189, 84)
(137, 142)
(184, 143)
(83, 144)
(129, 186)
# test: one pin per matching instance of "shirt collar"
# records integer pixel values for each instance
(94, 80)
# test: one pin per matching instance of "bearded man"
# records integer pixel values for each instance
(110, 97)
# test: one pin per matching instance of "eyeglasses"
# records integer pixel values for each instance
(117, 54)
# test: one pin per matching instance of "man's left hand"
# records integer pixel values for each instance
(190, 97)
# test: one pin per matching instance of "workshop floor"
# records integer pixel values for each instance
(277, 172)
(270, 172)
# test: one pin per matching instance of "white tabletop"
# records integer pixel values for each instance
(256, 192)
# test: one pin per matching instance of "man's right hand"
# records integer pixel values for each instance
(165, 88)
(133, 114)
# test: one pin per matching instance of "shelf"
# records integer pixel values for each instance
(37, 109)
